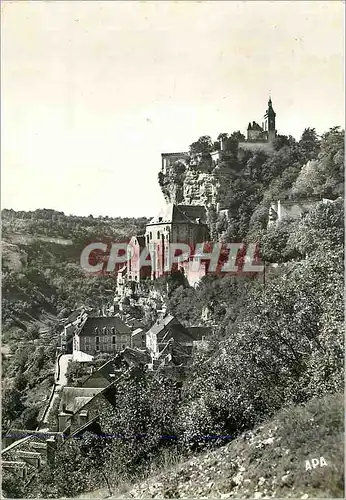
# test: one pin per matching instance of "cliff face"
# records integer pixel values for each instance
(197, 182)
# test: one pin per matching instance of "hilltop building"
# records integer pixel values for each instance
(261, 137)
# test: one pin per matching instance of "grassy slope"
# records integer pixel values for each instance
(268, 462)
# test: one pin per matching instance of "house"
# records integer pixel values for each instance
(75, 319)
(174, 224)
(80, 407)
(164, 330)
(102, 334)
(292, 208)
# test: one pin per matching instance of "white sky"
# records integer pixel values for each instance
(93, 92)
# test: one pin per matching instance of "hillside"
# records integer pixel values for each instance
(267, 462)
(277, 343)
(42, 282)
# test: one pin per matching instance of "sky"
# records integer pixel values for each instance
(93, 92)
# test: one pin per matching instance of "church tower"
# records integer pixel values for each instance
(269, 122)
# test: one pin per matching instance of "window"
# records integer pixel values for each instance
(151, 235)
(97, 348)
(97, 340)
(158, 234)
(104, 330)
(113, 340)
(96, 330)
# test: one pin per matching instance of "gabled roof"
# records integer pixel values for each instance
(73, 398)
(180, 213)
(197, 332)
(169, 327)
(107, 322)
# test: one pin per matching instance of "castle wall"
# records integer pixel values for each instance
(254, 147)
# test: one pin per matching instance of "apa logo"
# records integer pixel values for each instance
(314, 463)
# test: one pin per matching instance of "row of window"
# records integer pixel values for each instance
(104, 330)
(97, 348)
(158, 234)
(114, 340)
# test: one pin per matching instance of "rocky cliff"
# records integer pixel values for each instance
(201, 180)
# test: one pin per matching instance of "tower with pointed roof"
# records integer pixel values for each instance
(269, 121)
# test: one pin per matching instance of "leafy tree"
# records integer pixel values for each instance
(203, 145)
(309, 144)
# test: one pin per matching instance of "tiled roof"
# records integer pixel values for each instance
(107, 322)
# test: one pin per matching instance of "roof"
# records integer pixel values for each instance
(81, 356)
(74, 315)
(134, 324)
(107, 322)
(170, 326)
(255, 126)
(180, 213)
(73, 398)
(137, 331)
(197, 332)
(184, 153)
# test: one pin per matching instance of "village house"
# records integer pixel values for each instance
(102, 335)
(168, 330)
(75, 319)
(80, 407)
(292, 208)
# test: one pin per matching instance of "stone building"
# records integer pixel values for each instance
(174, 224)
(261, 137)
(168, 330)
(104, 334)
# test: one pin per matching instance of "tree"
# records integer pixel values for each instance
(12, 406)
(324, 177)
(203, 145)
(309, 144)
